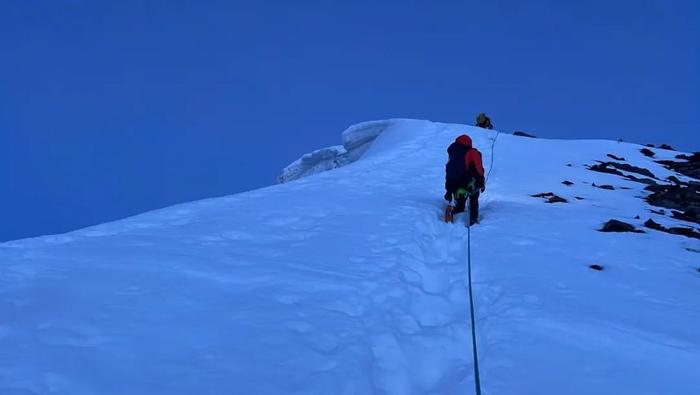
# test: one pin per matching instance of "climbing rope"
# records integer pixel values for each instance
(477, 378)
(493, 144)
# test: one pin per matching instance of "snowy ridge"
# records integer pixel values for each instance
(356, 140)
(353, 285)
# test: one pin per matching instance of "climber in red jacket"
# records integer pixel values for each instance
(464, 176)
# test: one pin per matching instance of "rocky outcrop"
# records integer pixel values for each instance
(523, 134)
(551, 197)
(676, 230)
(689, 165)
(608, 187)
(618, 168)
(647, 152)
(684, 200)
(618, 226)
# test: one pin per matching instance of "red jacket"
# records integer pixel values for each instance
(473, 157)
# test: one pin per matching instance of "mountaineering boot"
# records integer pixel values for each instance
(449, 217)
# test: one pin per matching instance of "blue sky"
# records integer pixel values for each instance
(109, 109)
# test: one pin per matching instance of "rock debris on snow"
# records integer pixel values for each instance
(688, 166)
(618, 226)
(617, 168)
(685, 200)
(523, 134)
(676, 230)
(551, 197)
(647, 152)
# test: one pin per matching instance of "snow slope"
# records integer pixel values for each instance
(347, 282)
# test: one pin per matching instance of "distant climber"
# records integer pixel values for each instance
(464, 177)
(483, 121)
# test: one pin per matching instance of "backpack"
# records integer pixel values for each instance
(455, 170)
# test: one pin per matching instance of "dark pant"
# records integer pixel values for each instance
(461, 202)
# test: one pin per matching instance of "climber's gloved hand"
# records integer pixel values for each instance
(448, 196)
(483, 189)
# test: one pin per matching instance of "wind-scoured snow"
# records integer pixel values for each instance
(348, 282)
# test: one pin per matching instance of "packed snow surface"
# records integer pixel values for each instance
(348, 282)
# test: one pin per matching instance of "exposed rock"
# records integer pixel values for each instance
(557, 199)
(567, 183)
(647, 181)
(522, 134)
(633, 169)
(578, 197)
(694, 250)
(684, 199)
(690, 215)
(658, 212)
(611, 156)
(608, 187)
(596, 267)
(687, 232)
(569, 165)
(637, 217)
(651, 224)
(618, 226)
(603, 168)
(666, 147)
(551, 197)
(647, 152)
(688, 166)
(614, 168)
(650, 145)
(675, 180)
(676, 230)
(655, 188)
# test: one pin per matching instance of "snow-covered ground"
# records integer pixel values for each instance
(347, 282)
